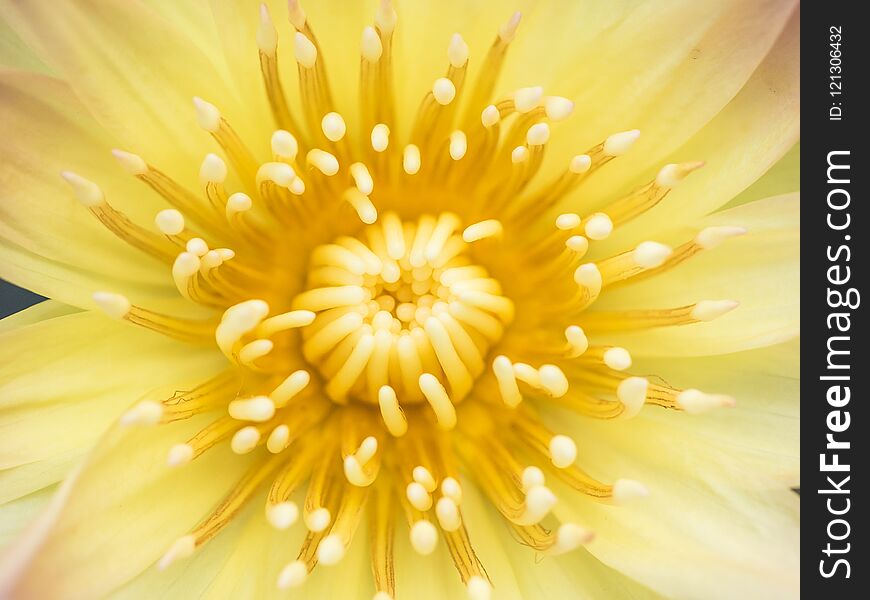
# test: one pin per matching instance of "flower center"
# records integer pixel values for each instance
(400, 300)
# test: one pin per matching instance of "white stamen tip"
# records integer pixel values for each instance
(380, 137)
(282, 515)
(490, 116)
(553, 380)
(539, 500)
(169, 221)
(306, 51)
(598, 227)
(114, 305)
(132, 163)
(386, 17)
(710, 237)
(452, 489)
(333, 126)
(213, 169)
(580, 164)
(567, 221)
(418, 496)
(631, 392)
(558, 108)
(258, 409)
(323, 161)
(371, 47)
(411, 159)
(538, 134)
(424, 537)
(707, 310)
(671, 175)
(695, 401)
(183, 547)
(531, 477)
(620, 143)
(293, 575)
(267, 36)
(245, 440)
(330, 551)
(146, 412)
(317, 520)
(179, 454)
(617, 358)
(570, 536)
(458, 145)
(563, 451)
(424, 477)
(481, 230)
(436, 395)
(650, 255)
(448, 514)
(278, 439)
(589, 276)
(626, 490)
(238, 203)
(577, 339)
(296, 13)
(87, 192)
(520, 154)
(578, 244)
(207, 115)
(479, 588)
(382, 595)
(508, 31)
(197, 247)
(444, 91)
(284, 145)
(457, 51)
(525, 99)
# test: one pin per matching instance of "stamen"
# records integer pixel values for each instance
(438, 399)
(394, 417)
(424, 537)
(695, 401)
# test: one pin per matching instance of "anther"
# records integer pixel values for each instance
(371, 47)
(620, 143)
(457, 51)
(695, 401)
(169, 221)
(411, 159)
(333, 126)
(424, 537)
(306, 52)
(207, 115)
(443, 91)
(87, 192)
(114, 305)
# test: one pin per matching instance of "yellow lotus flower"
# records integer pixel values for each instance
(437, 317)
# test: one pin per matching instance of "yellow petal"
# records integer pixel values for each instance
(759, 270)
(135, 70)
(117, 515)
(740, 144)
(64, 380)
(49, 243)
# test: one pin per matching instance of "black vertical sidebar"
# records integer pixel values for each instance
(834, 258)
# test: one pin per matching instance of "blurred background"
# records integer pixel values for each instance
(13, 299)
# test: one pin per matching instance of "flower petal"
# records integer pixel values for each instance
(64, 380)
(117, 515)
(135, 70)
(759, 270)
(741, 143)
(49, 243)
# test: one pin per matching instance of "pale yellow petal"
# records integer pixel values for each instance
(118, 514)
(49, 242)
(64, 380)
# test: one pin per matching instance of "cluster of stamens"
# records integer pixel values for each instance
(403, 354)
